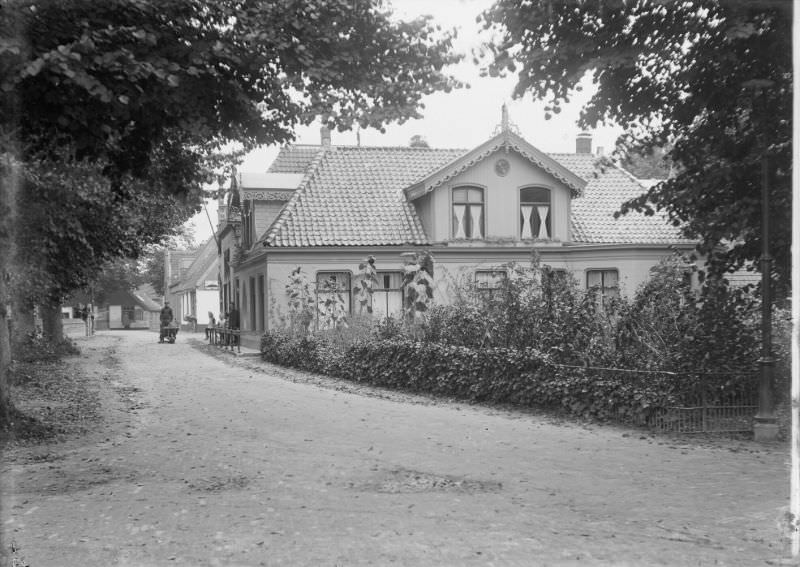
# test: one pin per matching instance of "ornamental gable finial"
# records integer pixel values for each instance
(505, 123)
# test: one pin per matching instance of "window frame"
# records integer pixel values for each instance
(602, 291)
(379, 275)
(349, 291)
(469, 204)
(499, 286)
(535, 230)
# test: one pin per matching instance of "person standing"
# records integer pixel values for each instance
(166, 318)
(233, 323)
(211, 324)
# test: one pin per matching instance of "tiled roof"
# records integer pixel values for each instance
(206, 256)
(593, 221)
(353, 196)
(294, 159)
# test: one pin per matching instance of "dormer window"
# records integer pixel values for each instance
(468, 212)
(534, 213)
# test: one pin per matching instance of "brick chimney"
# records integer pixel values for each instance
(583, 143)
(325, 136)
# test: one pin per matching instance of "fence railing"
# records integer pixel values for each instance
(225, 338)
(713, 406)
(714, 402)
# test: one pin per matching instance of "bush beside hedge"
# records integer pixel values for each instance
(496, 375)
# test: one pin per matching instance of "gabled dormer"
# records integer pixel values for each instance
(263, 195)
(505, 190)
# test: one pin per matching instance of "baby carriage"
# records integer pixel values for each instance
(168, 332)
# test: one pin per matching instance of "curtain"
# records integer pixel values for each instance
(543, 210)
(526, 221)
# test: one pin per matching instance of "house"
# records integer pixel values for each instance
(325, 208)
(125, 309)
(196, 293)
(176, 265)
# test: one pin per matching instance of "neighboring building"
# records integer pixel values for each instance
(197, 292)
(326, 208)
(127, 310)
(176, 265)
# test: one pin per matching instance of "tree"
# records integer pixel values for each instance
(74, 232)
(418, 141)
(711, 79)
(652, 164)
(148, 91)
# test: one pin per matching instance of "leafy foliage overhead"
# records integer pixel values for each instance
(121, 77)
(711, 79)
(74, 231)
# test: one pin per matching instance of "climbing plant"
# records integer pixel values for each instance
(417, 283)
(368, 279)
(301, 302)
(331, 305)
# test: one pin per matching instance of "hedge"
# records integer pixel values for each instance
(495, 375)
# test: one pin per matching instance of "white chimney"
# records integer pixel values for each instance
(325, 136)
(583, 143)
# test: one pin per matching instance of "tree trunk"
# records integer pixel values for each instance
(21, 324)
(52, 326)
(9, 180)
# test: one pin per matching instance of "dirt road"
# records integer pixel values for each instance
(203, 461)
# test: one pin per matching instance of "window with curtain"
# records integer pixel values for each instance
(534, 213)
(387, 295)
(604, 283)
(468, 212)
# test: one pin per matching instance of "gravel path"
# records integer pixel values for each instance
(201, 459)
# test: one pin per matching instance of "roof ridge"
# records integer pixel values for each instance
(365, 148)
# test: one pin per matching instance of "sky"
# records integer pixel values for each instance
(463, 118)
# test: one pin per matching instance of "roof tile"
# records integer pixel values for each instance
(354, 196)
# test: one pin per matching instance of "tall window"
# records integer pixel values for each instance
(468, 212)
(490, 282)
(605, 283)
(534, 213)
(387, 295)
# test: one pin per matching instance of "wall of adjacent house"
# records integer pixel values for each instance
(139, 320)
(454, 266)
(501, 199)
(207, 300)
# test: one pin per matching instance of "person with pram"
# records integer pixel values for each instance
(166, 327)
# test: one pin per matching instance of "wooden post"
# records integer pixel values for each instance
(794, 505)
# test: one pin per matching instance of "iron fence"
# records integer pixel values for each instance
(690, 402)
(719, 403)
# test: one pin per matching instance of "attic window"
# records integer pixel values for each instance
(468, 212)
(534, 213)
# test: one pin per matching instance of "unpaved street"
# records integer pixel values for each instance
(204, 460)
